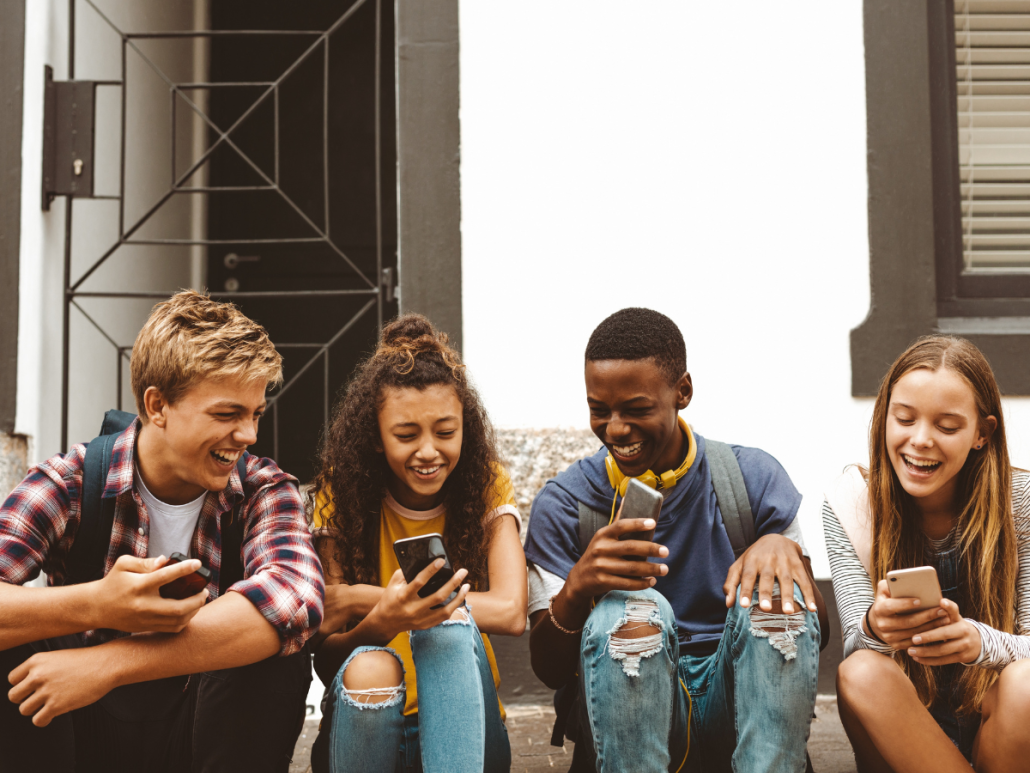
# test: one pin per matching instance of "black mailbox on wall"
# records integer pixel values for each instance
(68, 125)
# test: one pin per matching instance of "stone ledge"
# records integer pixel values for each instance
(534, 456)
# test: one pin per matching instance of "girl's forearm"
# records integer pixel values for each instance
(495, 613)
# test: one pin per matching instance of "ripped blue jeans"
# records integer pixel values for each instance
(750, 703)
(457, 728)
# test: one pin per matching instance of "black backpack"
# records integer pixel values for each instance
(88, 553)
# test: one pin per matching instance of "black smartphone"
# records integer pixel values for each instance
(184, 587)
(416, 553)
(640, 502)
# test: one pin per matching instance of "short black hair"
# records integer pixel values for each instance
(637, 334)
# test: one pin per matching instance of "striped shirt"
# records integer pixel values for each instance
(855, 591)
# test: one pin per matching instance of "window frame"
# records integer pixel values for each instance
(915, 224)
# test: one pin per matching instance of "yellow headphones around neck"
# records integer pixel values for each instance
(667, 479)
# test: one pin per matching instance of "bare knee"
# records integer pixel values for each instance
(373, 676)
(1010, 695)
(863, 675)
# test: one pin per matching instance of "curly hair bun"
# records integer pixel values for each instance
(411, 335)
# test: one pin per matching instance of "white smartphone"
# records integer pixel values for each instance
(917, 583)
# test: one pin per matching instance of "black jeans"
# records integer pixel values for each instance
(238, 719)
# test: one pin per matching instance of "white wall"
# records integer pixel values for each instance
(704, 159)
(93, 360)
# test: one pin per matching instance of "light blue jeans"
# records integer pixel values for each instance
(458, 726)
(750, 703)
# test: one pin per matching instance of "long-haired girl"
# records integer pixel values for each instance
(410, 451)
(935, 689)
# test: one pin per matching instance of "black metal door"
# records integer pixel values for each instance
(299, 175)
(319, 157)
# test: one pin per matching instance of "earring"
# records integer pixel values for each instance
(979, 446)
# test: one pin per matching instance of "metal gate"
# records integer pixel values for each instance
(362, 285)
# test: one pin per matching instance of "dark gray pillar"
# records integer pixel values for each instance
(12, 79)
(899, 121)
(428, 162)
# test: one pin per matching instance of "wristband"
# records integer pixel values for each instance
(555, 623)
(869, 628)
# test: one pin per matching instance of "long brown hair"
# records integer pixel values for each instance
(986, 532)
(353, 473)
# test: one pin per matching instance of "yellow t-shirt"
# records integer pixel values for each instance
(397, 522)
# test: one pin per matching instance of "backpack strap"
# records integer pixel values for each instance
(231, 570)
(731, 495)
(88, 553)
(590, 522)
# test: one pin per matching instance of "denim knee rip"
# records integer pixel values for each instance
(780, 629)
(463, 617)
(362, 699)
(640, 613)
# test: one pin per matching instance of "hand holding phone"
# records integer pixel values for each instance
(639, 502)
(907, 606)
(918, 583)
(184, 587)
(416, 553)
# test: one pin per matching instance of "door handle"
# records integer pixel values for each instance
(232, 260)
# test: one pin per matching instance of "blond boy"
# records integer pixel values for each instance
(202, 683)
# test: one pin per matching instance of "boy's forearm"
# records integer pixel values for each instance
(227, 633)
(33, 614)
(553, 654)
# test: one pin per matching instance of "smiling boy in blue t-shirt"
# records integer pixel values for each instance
(651, 642)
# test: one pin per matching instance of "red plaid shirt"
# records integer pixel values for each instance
(282, 574)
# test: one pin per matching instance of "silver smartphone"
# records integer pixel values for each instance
(640, 502)
(917, 583)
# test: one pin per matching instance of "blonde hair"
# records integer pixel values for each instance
(988, 563)
(190, 337)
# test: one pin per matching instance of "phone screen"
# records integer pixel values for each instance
(416, 553)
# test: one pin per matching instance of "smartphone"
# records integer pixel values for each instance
(640, 502)
(918, 583)
(416, 553)
(184, 587)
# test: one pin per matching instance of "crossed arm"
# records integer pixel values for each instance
(179, 637)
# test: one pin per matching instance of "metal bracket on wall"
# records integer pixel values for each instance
(68, 124)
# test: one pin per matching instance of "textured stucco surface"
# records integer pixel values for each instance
(14, 456)
(535, 455)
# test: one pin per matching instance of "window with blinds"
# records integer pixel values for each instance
(992, 58)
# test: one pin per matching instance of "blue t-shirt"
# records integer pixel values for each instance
(689, 525)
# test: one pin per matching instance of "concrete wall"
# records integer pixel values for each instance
(704, 159)
(95, 223)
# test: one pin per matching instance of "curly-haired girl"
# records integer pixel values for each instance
(410, 451)
(935, 689)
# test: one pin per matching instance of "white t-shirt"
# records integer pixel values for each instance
(171, 526)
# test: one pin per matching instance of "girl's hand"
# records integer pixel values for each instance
(894, 622)
(401, 608)
(957, 641)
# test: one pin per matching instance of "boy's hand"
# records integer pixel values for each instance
(896, 621)
(402, 609)
(50, 684)
(602, 567)
(128, 598)
(955, 640)
(771, 558)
